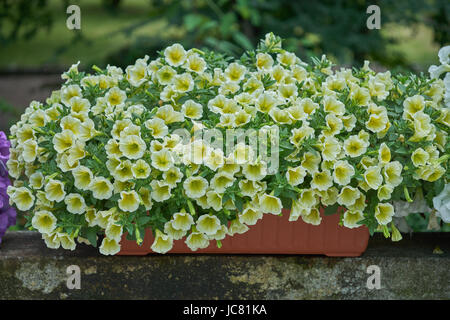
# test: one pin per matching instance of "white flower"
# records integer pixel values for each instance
(442, 204)
(444, 55)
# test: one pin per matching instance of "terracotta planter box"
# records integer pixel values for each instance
(276, 235)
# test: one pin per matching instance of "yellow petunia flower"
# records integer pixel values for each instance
(129, 201)
(75, 203)
(54, 190)
(384, 213)
(44, 221)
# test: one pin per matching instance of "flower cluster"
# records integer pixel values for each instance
(7, 213)
(105, 154)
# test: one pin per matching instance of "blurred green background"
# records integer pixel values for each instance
(36, 46)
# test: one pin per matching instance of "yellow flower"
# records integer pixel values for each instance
(44, 221)
(119, 126)
(79, 106)
(343, 172)
(115, 96)
(280, 116)
(235, 72)
(141, 169)
(208, 224)
(215, 160)
(132, 147)
(195, 187)
(75, 203)
(30, 150)
(412, 105)
(354, 146)
(351, 219)
(348, 196)
(312, 216)
(158, 127)
(329, 197)
(182, 221)
(295, 176)
(160, 190)
(360, 203)
(129, 201)
(237, 227)
(349, 122)
(183, 83)
(214, 200)
(300, 134)
(54, 190)
(330, 149)
(384, 154)
(377, 122)
(37, 180)
(101, 188)
(334, 125)
(420, 157)
(373, 178)
(384, 213)
(169, 115)
(197, 240)
(68, 92)
(264, 61)
(123, 172)
(270, 204)
(248, 188)
(109, 246)
(221, 181)
(266, 102)
(146, 197)
(361, 96)
(114, 231)
(63, 140)
(112, 149)
(165, 75)
(67, 241)
(392, 173)
(430, 173)
(162, 160)
(175, 55)
(255, 171)
(195, 64)
(172, 176)
(162, 243)
(250, 215)
(321, 180)
(51, 240)
(334, 106)
(192, 109)
(422, 127)
(308, 106)
(384, 192)
(310, 162)
(172, 232)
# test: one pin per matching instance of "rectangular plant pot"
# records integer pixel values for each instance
(276, 235)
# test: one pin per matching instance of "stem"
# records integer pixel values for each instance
(405, 191)
(191, 207)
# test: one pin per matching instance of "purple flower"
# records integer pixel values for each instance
(7, 213)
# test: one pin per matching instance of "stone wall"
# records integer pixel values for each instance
(418, 267)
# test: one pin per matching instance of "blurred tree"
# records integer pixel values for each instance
(335, 27)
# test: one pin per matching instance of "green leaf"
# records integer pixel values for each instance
(239, 203)
(91, 235)
(331, 209)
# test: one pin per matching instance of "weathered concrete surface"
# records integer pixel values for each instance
(409, 270)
